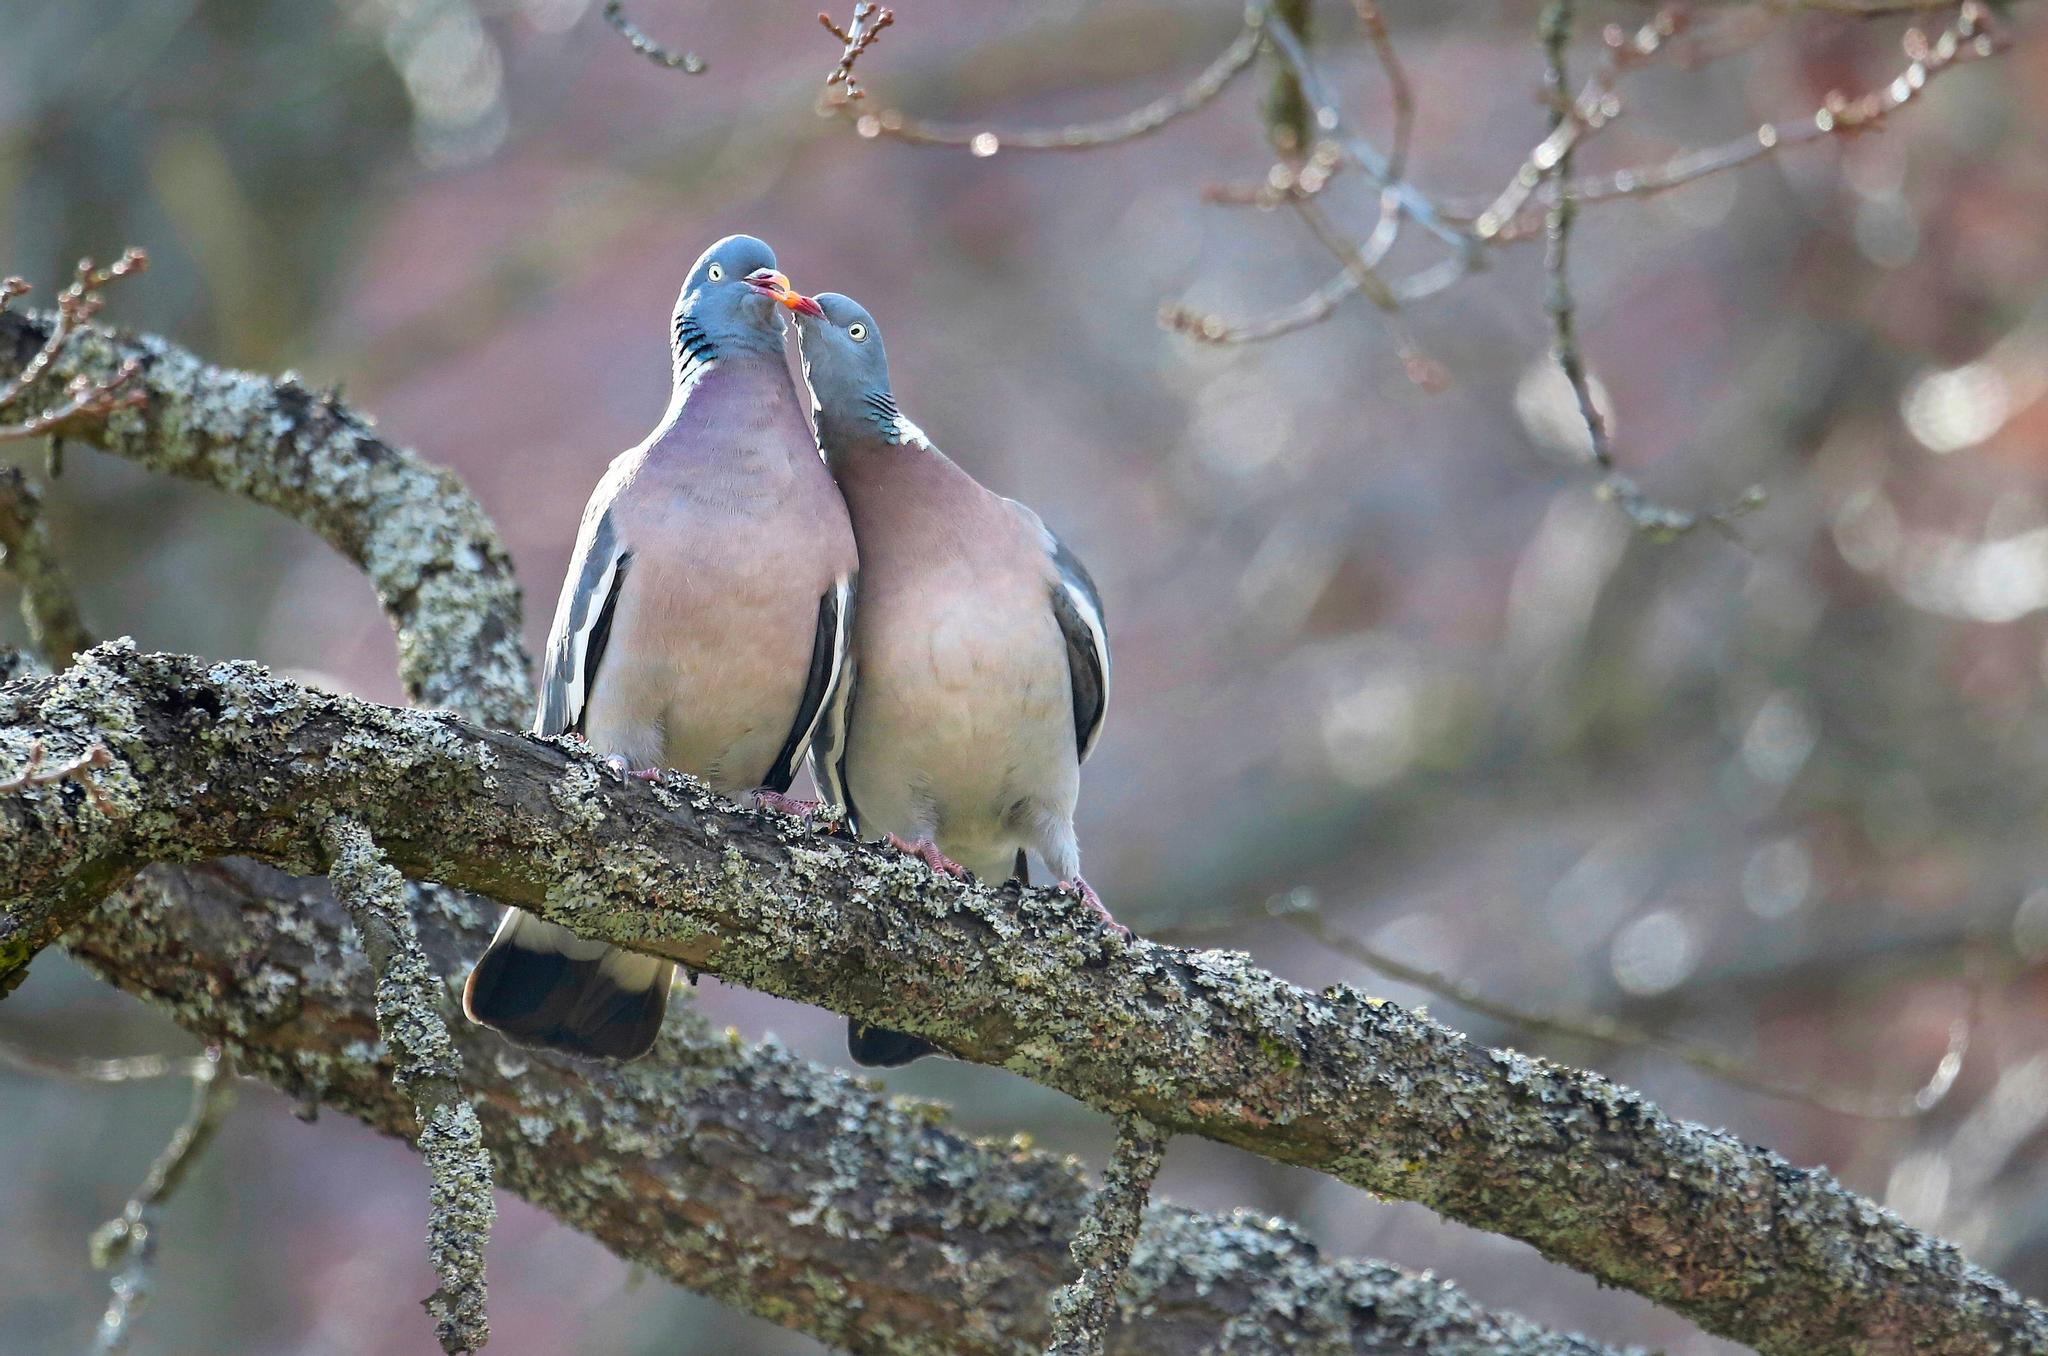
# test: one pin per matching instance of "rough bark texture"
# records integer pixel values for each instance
(789, 1191)
(225, 759)
(436, 562)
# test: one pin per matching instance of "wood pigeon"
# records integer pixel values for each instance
(704, 625)
(980, 668)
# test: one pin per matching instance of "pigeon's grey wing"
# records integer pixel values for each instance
(583, 622)
(1078, 606)
(828, 669)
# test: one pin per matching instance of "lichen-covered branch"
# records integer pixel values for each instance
(436, 562)
(409, 1003)
(126, 1244)
(1102, 1248)
(788, 1191)
(47, 603)
(213, 760)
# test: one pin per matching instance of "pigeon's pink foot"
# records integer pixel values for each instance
(787, 805)
(926, 851)
(636, 774)
(1086, 893)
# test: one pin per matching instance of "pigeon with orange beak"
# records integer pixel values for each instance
(980, 666)
(703, 626)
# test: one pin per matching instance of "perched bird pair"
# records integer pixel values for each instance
(711, 622)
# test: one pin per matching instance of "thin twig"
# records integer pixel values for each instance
(1379, 168)
(84, 1069)
(47, 603)
(1398, 88)
(1299, 910)
(1102, 1247)
(85, 400)
(128, 1241)
(844, 95)
(689, 63)
(426, 1070)
(1552, 162)
(34, 774)
(1971, 38)
(1557, 32)
(859, 34)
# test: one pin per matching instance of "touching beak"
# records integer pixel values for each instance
(774, 284)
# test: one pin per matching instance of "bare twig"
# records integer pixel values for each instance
(86, 399)
(426, 1070)
(78, 768)
(47, 603)
(121, 1069)
(689, 63)
(844, 95)
(1973, 37)
(859, 34)
(128, 1241)
(1298, 909)
(1289, 116)
(1551, 165)
(1102, 1247)
(1398, 89)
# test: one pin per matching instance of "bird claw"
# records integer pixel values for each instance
(618, 764)
(787, 805)
(926, 851)
(1085, 892)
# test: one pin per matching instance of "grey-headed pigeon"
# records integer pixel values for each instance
(704, 626)
(980, 668)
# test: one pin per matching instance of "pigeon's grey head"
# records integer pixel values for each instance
(847, 367)
(733, 300)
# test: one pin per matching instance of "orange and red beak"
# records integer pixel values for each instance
(771, 283)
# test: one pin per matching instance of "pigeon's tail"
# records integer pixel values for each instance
(877, 1047)
(541, 984)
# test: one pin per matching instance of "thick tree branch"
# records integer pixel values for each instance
(438, 566)
(219, 760)
(791, 1192)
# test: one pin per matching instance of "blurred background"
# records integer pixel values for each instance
(1384, 664)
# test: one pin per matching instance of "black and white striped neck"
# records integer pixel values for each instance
(693, 350)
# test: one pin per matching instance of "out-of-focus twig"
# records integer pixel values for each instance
(1550, 166)
(689, 63)
(1298, 909)
(120, 1069)
(47, 603)
(844, 95)
(1289, 115)
(427, 1071)
(859, 34)
(1399, 91)
(84, 400)
(126, 1244)
(1102, 1248)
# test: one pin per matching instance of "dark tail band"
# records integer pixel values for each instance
(877, 1047)
(543, 986)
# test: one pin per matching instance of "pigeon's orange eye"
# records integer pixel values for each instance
(716, 273)
(857, 332)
